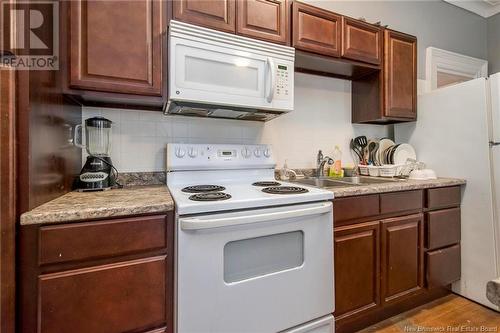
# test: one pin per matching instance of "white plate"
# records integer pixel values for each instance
(403, 152)
(383, 144)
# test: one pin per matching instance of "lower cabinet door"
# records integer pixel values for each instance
(357, 271)
(402, 257)
(115, 298)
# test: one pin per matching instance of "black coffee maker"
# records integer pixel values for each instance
(98, 173)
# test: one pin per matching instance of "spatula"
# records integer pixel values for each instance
(361, 142)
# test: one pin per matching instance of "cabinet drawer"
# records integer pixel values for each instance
(123, 297)
(400, 202)
(443, 197)
(442, 228)
(81, 241)
(443, 266)
(350, 208)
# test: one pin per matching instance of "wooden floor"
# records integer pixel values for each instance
(448, 314)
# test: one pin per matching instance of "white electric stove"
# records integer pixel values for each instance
(252, 254)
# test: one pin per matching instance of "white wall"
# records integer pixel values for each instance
(434, 22)
(494, 44)
(321, 119)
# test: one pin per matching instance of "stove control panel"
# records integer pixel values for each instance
(184, 156)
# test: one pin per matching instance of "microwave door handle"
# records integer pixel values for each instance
(272, 81)
(193, 223)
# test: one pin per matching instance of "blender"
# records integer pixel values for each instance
(98, 173)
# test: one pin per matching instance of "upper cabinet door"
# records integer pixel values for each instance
(215, 14)
(400, 72)
(116, 47)
(263, 19)
(316, 30)
(361, 41)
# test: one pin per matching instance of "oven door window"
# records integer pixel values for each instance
(254, 257)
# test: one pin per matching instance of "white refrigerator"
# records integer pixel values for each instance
(457, 134)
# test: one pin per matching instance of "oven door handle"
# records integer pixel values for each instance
(193, 223)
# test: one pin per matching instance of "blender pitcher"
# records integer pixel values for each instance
(98, 173)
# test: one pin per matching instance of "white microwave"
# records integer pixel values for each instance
(217, 74)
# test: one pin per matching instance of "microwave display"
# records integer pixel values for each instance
(282, 67)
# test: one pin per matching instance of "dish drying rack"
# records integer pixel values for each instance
(392, 170)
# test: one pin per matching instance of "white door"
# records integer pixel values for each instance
(451, 137)
(259, 271)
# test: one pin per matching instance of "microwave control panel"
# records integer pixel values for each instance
(283, 86)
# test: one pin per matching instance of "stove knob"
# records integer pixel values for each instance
(267, 152)
(192, 152)
(257, 152)
(179, 152)
(246, 153)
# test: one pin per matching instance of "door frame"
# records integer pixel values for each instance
(8, 194)
(438, 60)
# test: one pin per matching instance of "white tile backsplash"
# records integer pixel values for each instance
(321, 120)
(140, 137)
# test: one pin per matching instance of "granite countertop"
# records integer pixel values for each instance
(394, 186)
(137, 200)
(76, 206)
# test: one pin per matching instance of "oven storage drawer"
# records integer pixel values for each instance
(99, 239)
(322, 325)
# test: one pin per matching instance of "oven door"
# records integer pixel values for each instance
(263, 270)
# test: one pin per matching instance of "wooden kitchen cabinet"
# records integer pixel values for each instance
(357, 269)
(361, 41)
(116, 47)
(401, 257)
(316, 30)
(390, 95)
(263, 19)
(400, 75)
(214, 14)
(108, 276)
(393, 252)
